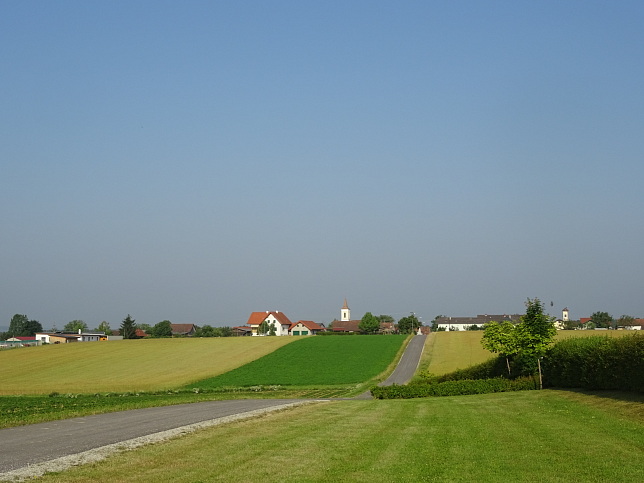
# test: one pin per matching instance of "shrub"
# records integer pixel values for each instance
(597, 363)
(454, 388)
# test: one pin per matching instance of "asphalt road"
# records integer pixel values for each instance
(406, 367)
(28, 451)
(38, 443)
(408, 363)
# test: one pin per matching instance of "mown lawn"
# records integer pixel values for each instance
(128, 365)
(315, 361)
(536, 436)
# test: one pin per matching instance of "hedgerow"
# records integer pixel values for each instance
(596, 363)
(454, 388)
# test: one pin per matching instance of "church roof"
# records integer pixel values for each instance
(345, 306)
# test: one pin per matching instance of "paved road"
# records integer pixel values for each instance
(38, 443)
(406, 367)
(408, 364)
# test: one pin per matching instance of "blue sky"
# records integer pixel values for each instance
(197, 161)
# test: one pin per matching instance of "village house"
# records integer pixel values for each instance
(305, 327)
(278, 320)
(67, 337)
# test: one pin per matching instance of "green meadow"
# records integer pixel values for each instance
(532, 436)
(315, 361)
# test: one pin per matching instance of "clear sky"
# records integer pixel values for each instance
(199, 160)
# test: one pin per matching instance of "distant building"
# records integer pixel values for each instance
(464, 323)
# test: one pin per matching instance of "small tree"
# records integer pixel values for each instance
(263, 328)
(128, 328)
(602, 320)
(75, 326)
(162, 329)
(536, 332)
(409, 324)
(104, 327)
(271, 329)
(501, 338)
(626, 321)
(369, 324)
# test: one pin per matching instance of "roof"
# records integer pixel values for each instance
(20, 337)
(182, 328)
(346, 326)
(257, 318)
(309, 324)
(345, 306)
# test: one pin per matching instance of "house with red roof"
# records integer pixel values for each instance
(305, 327)
(277, 320)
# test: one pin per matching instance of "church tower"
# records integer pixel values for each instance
(345, 313)
(564, 315)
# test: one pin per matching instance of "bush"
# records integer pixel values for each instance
(454, 388)
(596, 363)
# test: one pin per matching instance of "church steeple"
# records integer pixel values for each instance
(345, 313)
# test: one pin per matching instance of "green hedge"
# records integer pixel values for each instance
(597, 362)
(454, 388)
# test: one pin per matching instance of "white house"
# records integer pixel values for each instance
(278, 320)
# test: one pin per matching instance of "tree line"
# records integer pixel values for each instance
(22, 326)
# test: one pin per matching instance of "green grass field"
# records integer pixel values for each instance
(534, 436)
(316, 361)
(447, 351)
(128, 365)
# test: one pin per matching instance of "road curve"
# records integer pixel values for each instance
(28, 451)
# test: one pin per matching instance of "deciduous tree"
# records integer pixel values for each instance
(602, 320)
(369, 324)
(409, 324)
(21, 326)
(626, 321)
(75, 326)
(263, 328)
(501, 338)
(536, 332)
(162, 329)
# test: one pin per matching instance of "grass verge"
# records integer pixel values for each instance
(529, 436)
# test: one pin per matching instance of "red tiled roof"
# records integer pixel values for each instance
(346, 326)
(33, 337)
(309, 324)
(257, 318)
